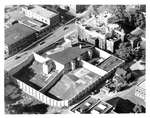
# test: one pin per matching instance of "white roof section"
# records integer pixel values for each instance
(40, 58)
(93, 68)
(43, 12)
(94, 112)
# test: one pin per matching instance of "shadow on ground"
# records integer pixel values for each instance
(123, 105)
(138, 73)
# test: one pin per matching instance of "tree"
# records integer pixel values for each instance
(118, 15)
(30, 109)
(113, 9)
(139, 20)
(125, 51)
(38, 108)
(128, 20)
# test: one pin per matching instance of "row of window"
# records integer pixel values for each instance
(36, 16)
(29, 90)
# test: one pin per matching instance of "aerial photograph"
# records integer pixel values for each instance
(74, 59)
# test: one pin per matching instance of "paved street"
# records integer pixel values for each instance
(58, 34)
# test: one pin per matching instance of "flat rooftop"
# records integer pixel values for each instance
(106, 64)
(33, 75)
(110, 63)
(17, 32)
(73, 83)
(68, 54)
(39, 79)
(32, 23)
(27, 73)
(43, 12)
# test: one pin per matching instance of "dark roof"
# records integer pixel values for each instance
(110, 63)
(68, 54)
(17, 32)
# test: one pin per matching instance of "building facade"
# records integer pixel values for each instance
(92, 37)
(17, 38)
(42, 15)
(112, 44)
(40, 96)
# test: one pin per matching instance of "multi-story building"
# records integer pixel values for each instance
(94, 32)
(41, 28)
(112, 44)
(134, 41)
(36, 75)
(68, 57)
(42, 15)
(63, 78)
(92, 37)
(72, 36)
(17, 38)
(104, 60)
(32, 23)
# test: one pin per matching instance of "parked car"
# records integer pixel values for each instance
(102, 107)
(66, 28)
